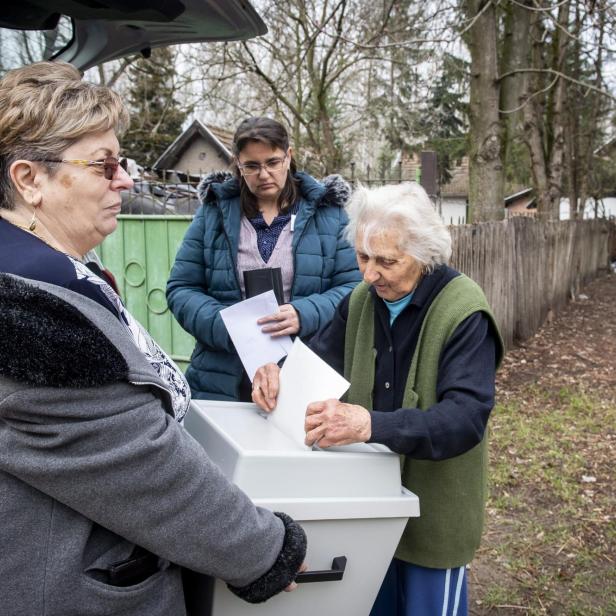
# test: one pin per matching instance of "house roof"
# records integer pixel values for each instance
(224, 136)
(526, 192)
(214, 135)
(518, 195)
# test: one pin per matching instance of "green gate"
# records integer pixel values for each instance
(140, 254)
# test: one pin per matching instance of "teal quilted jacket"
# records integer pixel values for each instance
(203, 279)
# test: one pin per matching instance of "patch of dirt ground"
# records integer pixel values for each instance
(578, 347)
(549, 545)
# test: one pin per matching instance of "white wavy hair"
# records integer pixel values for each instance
(407, 209)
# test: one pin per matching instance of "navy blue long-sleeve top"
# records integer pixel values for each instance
(465, 382)
(24, 254)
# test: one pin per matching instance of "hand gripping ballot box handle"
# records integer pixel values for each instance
(334, 574)
(199, 588)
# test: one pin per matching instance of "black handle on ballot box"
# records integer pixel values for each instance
(328, 575)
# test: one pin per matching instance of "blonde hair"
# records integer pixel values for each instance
(45, 108)
(407, 209)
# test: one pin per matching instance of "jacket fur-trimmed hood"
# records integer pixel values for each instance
(48, 342)
(325, 270)
(332, 191)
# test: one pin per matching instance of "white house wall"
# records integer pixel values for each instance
(453, 211)
(607, 208)
(201, 157)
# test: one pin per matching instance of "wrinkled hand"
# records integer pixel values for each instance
(285, 322)
(265, 386)
(332, 422)
(293, 585)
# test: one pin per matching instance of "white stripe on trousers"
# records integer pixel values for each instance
(446, 597)
(458, 591)
(461, 574)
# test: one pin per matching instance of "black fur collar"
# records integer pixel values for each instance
(45, 341)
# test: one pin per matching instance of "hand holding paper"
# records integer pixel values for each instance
(254, 347)
(285, 322)
(304, 378)
(333, 423)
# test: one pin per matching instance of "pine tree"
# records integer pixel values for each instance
(156, 114)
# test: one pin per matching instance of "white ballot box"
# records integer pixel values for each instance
(349, 500)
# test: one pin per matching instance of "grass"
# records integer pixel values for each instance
(550, 542)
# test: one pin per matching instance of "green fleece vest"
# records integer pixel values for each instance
(452, 493)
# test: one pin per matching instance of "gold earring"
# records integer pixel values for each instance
(32, 224)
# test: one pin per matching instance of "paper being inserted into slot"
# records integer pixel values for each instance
(304, 378)
(253, 346)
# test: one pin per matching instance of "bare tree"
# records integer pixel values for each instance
(110, 73)
(320, 67)
(486, 175)
(544, 115)
(349, 75)
(535, 82)
(21, 47)
(515, 53)
(587, 111)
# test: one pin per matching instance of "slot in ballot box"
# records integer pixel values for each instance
(349, 501)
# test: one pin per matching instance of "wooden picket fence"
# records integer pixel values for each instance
(528, 267)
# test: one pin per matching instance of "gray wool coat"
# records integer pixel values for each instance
(92, 464)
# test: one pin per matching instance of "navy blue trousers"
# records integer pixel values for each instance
(410, 590)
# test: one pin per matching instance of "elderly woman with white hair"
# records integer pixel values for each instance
(420, 346)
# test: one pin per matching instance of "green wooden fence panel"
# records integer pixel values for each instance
(140, 254)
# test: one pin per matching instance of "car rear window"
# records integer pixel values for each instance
(21, 47)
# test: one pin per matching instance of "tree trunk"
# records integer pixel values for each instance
(572, 125)
(533, 120)
(486, 172)
(329, 152)
(515, 55)
(586, 154)
(571, 149)
(557, 151)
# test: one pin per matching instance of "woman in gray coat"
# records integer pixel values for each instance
(105, 497)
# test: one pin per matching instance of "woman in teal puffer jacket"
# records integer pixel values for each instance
(267, 215)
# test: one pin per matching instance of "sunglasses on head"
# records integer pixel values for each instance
(109, 165)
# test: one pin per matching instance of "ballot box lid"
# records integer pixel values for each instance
(274, 470)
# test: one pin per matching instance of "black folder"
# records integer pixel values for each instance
(259, 281)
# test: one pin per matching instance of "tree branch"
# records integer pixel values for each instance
(558, 75)
(530, 97)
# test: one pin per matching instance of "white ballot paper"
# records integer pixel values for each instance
(253, 346)
(304, 378)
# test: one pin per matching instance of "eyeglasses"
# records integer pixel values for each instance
(272, 165)
(110, 164)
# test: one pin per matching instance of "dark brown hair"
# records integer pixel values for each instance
(274, 134)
